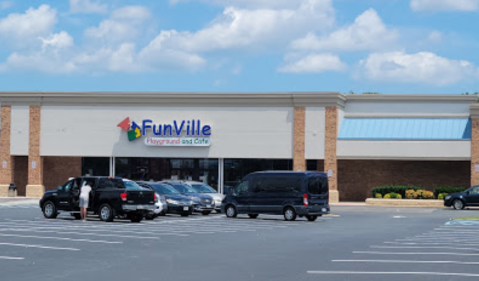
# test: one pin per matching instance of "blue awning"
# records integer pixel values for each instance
(405, 129)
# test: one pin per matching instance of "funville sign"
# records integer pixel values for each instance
(184, 133)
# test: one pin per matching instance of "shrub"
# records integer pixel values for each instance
(400, 189)
(398, 196)
(394, 195)
(378, 195)
(387, 196)
(448, 190)
(427, 194)
(441, 196)
(411, 194)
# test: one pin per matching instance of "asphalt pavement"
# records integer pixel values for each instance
(354, 243)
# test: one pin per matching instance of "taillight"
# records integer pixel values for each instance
(154, 196)
(305, 200)
(123, 196)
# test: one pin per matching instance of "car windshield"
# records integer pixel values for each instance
(203, 188)
(164, 189)
(131, 185)
(183, 188)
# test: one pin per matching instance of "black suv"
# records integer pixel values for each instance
(291, 194)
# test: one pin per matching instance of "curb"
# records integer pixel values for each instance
(419, 203)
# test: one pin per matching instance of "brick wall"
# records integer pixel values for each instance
(299, 161)
(21, 174)
(475, 152)
(356, 178)
(57, 170)
(6, 173)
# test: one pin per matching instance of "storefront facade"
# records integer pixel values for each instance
(217, 138)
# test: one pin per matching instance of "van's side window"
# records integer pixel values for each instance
(318, 185)
(277, 183)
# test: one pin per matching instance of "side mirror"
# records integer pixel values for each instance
(468, 192)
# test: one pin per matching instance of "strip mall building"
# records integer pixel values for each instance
(361, 141)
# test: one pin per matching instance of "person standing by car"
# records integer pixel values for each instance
(84, 199)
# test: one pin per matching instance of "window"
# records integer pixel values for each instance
(164, 189)
(278, 183)
(475, 190)
(183, 188)
(67, 186)
(202, 188)
(243, 187)
(131, 185)
(318, 185)
(110, 183)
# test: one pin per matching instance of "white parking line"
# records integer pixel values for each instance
(11, 258)
(61, 238)
(87, 234)
(409, 261)
(38, 246)
(413, 253)
(442, 243)
(423, 247)
(395, 273)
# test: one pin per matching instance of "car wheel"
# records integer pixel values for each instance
(106, 213)
(458, 204)
(49, 210)
(76, 216)
(205, 213)
(163, 213)
(231, 211)
(289, 214)
(311, 218)
(149, 217)
(136, 218)
(185, 215)
(253, 216)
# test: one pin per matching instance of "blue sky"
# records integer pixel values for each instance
(394, 46)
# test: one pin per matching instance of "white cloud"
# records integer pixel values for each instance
(124, 24)
(423, 67)
(274, 4)
(249, 28)
(368, 32)
(313, 63)
(87, 7)
(33, 23)
(445, 5)
(58, 40)
(6, 4)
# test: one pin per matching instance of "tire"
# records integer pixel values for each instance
(49, 210)
(136, 218)
(231, 211)
(149, 217)
(76, 216)
(185, 215)
(253, 216)
(218, 211)
(458, 204)
(289, 214)
(206, 213)
(163, 213)
(106, 213)
(311, 218)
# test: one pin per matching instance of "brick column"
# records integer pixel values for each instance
(474, 151)
(6, 160)
(35, 186)
(330, 158)
(299, 160)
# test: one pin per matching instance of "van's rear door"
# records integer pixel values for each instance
(318, 190)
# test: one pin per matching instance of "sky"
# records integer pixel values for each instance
(389, 47)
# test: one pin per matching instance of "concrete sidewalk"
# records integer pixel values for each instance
(10, 201)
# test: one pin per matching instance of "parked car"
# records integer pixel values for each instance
(201, 203)
(109, 198)
(176, 203)
(160, 202)
(208, 190)
(291, 194)
(469, 197)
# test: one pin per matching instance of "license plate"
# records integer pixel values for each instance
(208, 206)
(185, 208)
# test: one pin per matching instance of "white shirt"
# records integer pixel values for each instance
(85, 191)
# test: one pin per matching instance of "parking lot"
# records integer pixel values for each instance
(354, 243)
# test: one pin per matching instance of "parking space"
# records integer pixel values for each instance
(356, 243)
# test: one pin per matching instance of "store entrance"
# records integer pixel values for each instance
(158, 169)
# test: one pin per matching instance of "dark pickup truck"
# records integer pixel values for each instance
(109, 198)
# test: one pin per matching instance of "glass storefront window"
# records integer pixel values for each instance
(236, 169)
(158, 169)
(96, 166)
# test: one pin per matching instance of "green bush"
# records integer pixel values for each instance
(441, 196)
(398, 196)
(387, 196)
(448, 189)
(400, 189)
(378, 195)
